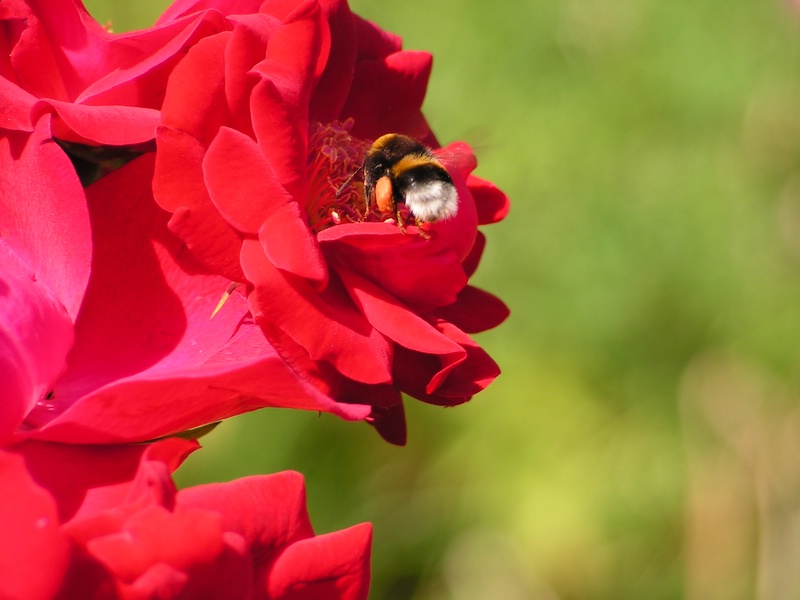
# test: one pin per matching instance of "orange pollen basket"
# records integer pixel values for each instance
(384, 195)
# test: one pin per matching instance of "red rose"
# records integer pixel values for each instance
(262, 124)
(106, 522)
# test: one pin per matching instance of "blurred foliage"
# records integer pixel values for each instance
(644, 439)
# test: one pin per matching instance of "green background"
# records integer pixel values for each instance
(644, 438)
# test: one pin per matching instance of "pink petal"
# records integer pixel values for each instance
(15, 106)
(43, 214)
(59, 33)
(89, 124)
(35, 336)
(34, 553)
(181, 8)
(134, 67)
(177, 367)
(147, 407)
(62, 38)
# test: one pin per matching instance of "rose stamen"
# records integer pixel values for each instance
(333, 159)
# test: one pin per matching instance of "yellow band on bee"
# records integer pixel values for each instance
(412, 161)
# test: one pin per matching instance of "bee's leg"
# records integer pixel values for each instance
(422, 233)
(401, 222)
(367, 204)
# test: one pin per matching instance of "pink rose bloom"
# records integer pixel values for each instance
(107, 320)
(105, 331)
(266, 113)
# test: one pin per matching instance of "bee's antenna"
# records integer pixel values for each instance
(348, 180)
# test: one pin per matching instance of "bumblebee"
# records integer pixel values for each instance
(400, 170)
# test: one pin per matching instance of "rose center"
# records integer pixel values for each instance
(335, 190)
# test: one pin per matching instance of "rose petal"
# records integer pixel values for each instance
(155, 535)
(451, 382)
(182, 8)
(177, 368)
(179, 187)
(394, 320)
(390, 423)
(335, 565)
(493, 205)
(458, 233)
(54, 29)
(35, 336)
(250, 198)
(420, 273)
(246, 47)
(474, 311)
(202, 559)
(34, 553)
(268, 511)
(473, 259)
(159, 580)
(15, 106)
(374, 42)
(332, 90)
(325, 323)
(387, 94)
(138, 78)
(195, 96)
(43, 214)
(295, 59)
(89, 479)
(89, 124)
